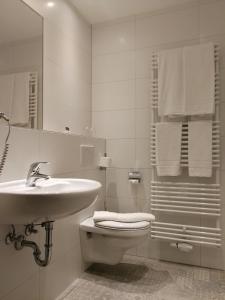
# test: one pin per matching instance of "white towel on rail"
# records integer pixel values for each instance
(200, 148)
(100, 216)
(171, 82)
(168, 148)
(199, 79)
(20, 103)
(6, 93)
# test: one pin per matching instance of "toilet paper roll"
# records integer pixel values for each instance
(105, 162)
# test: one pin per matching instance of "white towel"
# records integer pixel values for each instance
(122, 217)
(200, 148)
(20, 103)
(199, 79)
(171, 82)
(168, 148)
(122, 225)
(6, 93)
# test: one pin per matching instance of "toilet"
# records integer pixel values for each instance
(109, 243)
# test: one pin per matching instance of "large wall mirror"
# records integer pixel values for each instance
(21, 64)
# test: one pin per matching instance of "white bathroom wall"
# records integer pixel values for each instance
(20, 277)
(67, 67)
(121, 91)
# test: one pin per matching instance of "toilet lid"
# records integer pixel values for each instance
(122, 225)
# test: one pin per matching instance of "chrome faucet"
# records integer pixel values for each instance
(33, 174)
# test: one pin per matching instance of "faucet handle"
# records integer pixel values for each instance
(34, 167)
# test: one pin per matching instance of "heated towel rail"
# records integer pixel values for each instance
(187, 198)
(33, 99)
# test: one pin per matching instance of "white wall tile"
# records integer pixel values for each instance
(143, 119)
(143, 93)
(118, 185)
(142, 156)
(113, 67)
(122, 152)
(143, 63)
(122, 205)
(114, 124)
(113, 38)
(143, 188)
(167, 27)
(113, 95)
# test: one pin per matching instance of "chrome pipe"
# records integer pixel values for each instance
(48, 246)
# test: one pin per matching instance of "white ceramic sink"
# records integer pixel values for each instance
(49, 200)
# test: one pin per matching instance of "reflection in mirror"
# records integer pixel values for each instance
(21, 56)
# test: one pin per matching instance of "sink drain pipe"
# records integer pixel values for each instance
(48, 246)
(20, 242)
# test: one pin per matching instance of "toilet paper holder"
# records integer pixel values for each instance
(134, 176)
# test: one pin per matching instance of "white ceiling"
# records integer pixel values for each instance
(95, 11)
(18, 22)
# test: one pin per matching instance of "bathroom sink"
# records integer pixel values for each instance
(49, 200)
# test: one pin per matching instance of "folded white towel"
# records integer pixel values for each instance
(168, 148)
(171, 82)
(122, 225)
(200, 148)
(20, 103)
(100, 216)
(199, 79)
(6, 93)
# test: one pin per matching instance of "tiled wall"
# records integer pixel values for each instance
(121, 91)
(67, 67)
(20, 277)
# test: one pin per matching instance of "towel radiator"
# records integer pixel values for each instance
(33, 99)
(183, 196)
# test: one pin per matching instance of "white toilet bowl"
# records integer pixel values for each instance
(108, 245)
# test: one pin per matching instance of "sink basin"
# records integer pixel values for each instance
(49, 200)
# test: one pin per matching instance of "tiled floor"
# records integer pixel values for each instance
(143, 279)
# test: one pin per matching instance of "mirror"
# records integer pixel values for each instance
(21, 64)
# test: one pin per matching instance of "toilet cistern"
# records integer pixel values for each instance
(34, 175)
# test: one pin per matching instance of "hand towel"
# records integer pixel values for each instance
(20, 103)
(199, 79)
(122, 217)
(200, 148)
(123, 225)
(6, 93)
(171, 83)
(168, 148)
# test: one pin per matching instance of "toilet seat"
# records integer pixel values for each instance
(135, 230)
